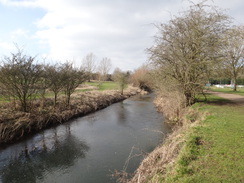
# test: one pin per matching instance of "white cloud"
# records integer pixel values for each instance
(118, 29)
(19, 33)
(24, 3)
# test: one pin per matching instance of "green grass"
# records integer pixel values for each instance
(240, 91)
(214, 149)
(210, 99)
(104, 85)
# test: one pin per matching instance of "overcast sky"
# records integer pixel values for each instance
(70, 29)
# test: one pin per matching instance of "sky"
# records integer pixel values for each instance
(68, 30)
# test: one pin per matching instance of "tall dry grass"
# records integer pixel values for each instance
(14, 125)
(172, 105)
(155, 167)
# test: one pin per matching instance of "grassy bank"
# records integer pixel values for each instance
(14, 125)
(209, 150)
(106, 85)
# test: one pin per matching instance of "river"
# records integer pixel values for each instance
(88, 149)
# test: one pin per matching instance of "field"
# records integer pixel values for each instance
(106, 85)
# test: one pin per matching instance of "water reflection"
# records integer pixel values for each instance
(51, 154)
(88, 148)
(121, 114)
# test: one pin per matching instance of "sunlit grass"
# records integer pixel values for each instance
(214, 149)
(104, 85)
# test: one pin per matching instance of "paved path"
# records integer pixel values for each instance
(238, 99)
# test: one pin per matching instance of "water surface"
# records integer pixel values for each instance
(87, 149)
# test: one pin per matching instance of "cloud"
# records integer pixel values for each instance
(118, 29)
(19, 33)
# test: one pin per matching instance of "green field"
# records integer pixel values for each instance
(104, 85)
(240, 91)
(214, 149)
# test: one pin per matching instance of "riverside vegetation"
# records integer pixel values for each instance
(16, 124)
(199, 44)
(208, 147)
(207, 142)
(35, 96)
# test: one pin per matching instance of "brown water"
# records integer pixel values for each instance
(87, 149)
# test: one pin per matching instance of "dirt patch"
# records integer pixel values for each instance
(236, 99)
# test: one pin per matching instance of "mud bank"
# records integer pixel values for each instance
(16, 125)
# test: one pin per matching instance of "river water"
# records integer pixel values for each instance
(88, 149)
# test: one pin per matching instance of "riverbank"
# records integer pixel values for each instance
(16, 125)
(206, 150)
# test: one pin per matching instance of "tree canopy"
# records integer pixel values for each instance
(187, 48)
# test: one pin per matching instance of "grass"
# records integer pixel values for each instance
(211, 99)
(105, 85)
(213, 150)
(240, 91)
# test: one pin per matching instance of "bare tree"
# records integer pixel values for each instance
(188, 46)
(104, 68)
(233, 49)
(120, 77)
(54, 75)
(20, 76)
(43, 84)
(89, 65)
(71, 78)
(141, 78)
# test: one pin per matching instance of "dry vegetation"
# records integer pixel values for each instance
(14, 125)
(172, 105)
(189, 49)
(163, 158)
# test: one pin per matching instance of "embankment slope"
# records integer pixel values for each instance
(208, 150)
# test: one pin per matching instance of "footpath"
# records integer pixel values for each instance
(238, 99)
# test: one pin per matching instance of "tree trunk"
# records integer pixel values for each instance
(55, 99)
(189, 98)
(234, 88)
(68, 98)
(24, 103)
